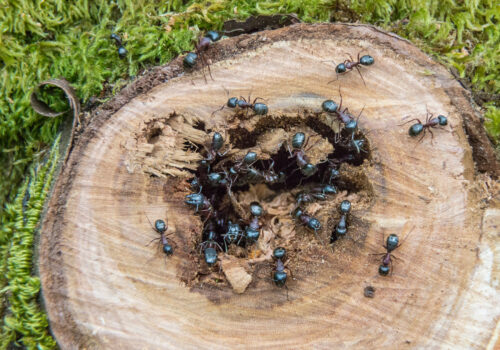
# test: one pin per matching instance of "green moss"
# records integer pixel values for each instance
(24, 322)
(53, 38)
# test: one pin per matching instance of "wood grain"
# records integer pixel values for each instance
(103, 288)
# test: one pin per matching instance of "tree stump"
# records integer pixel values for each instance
(104, 288)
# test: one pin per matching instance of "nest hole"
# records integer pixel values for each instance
(232, 207)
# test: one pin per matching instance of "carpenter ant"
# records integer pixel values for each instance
(234, 102)
(279, 275)
(234, 234)
(199, 200)
(202, 46)
(217, 179)
(308, 221)
(365, 60)
(161, 228)
(356, 145)
(214, 151)
(329, 106)
(210, 246)
(252, 231)
(299, 143)
(430, 122)
(317, 193)
(391, 244)
(244, 164)
(341, 228)
(268, 176)
(122, 52)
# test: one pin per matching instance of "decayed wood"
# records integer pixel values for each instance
(103, 288)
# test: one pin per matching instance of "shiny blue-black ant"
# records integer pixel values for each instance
(210, 246)
(350, 64)
(252, 231)
(341, 228)
(430, 122)
(350, 124)
(306, 220)
(242, 103)
(391, 244)
(213, 151)
(161, 228)
(299, 143)
(191, 58)
(122, 52)
(234, 234)
(317, 193)
(198, 200)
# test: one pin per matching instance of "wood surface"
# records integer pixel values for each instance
(103, 288)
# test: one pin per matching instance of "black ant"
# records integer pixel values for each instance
(269, 176)
(252, 231)
(198, 200)
(329, 106)
(430, 122)
(308, 221)
(210, 246)
(317, 193)
(161, 228)
(234, 102)
(234, 234)
(343, 67)
(341, 228)
(122, 52)
(279, 275)
(299, 143)
(202, 46)
(391, 244)
(214, 150)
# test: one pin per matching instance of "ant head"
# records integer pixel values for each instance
(256, 209)
(279, 253)
(298, 140)
(340, 68)
(160, 226)
(217, 141)
(345, 206)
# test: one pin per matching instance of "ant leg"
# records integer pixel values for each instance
(352, 59)
(218, 245)
(423, 135)
(432, 136)
(217, 110)
(286, 287)
(359, 115)
(357, 68)
(319, 238)
(200, 55)
(404, 239)
(409, 121)
(258, 98)
(209, 71)
(331, 81)
(154, 239)
(340, 106)
(314, 144)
